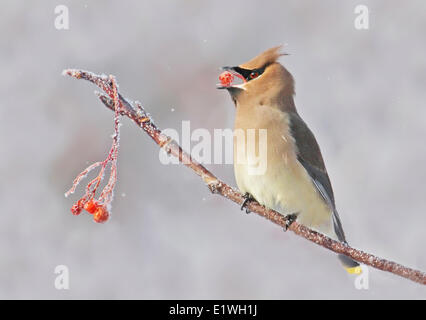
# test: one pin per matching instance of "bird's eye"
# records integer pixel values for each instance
(254, 74)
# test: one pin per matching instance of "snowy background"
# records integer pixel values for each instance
(362, 93)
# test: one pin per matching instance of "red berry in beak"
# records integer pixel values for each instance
(226, 78)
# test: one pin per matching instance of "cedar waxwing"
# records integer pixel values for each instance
(295, 181)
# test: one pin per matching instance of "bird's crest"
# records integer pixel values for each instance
(265, 58)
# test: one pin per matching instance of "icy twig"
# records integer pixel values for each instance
(100, 207)
(216, 186)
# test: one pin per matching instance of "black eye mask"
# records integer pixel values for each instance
(249, 74)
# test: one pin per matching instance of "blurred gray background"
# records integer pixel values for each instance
(362, 93)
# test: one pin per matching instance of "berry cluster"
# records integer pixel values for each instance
(100, 207)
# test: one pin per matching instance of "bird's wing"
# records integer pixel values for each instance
(309, 155)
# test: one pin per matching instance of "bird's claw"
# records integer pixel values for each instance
(247, 197)
(289, 219)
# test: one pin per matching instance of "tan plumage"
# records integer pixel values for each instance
(285, 186)
(295, 180)
(267, 57)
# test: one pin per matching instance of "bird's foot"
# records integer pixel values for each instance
(247, 197)
(289, 219)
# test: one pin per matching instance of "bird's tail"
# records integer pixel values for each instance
(351, 266)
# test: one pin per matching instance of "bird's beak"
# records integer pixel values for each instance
(235, 73)
(227, 68)
(231, 69)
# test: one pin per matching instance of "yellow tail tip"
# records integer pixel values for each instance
(354, 270)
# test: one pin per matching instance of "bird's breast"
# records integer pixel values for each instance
(270, 171)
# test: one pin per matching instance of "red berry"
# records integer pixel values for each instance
(91, 206)
(76, 209)
(226, 78)
(101, 214)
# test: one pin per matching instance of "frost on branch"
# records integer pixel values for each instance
(100, 207)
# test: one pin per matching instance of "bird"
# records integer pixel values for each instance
(294, 180)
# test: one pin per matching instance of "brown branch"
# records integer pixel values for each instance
(216, 186)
